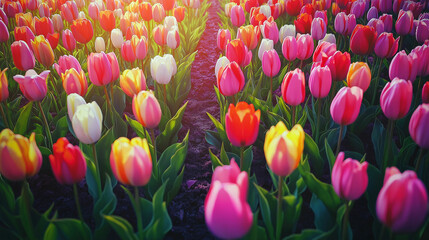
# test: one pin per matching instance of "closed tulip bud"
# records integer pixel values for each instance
(377, 24)
(132, 81)
(330, 38)
(403, 66)
(3, 16)
(346, 104)
(69, 42)
(266, 45)
(395, 99)
(4, 91)
(69, 11)
(142, 48)
(362, 40)
(372, 13)
(293, 7)
(242, 124)
(107, 20)
(19, 156)
(248, 34)
(425, 92)
(57, 21)
(422, 55)
(358, 9)
(223, 38)
(160, 35)
(349, 177)
(402, 211)
(339, 64)
(318, 29)
(303, 23)
(351, 23)
(93, 11)
(82, 30)
(320, 81)
(73, 101)
(289, 48)
(385, 6)
(286, 31)
(283, 148)
(25, 34)
(116, 37)
(387, 21)
(170, 22)
(32, 85)
(227, 213)
(12, 8)
(237, 15)
(26, 19)
(173, 39)
(146, 109)
(293, 87)
(324, 49)
(386, 45)
(67, 62)
(179, 13)
(74, 82)
(340, 23)
(230, 79)
(359, 75)
(163, 68)
(269, 30)
(221, 62)
(236, 51)
(404, 24)
(419, 124)
(158, 12)
(67, 162)
(305, 45)
(87, 123)
(102, 68)
(43, 26)
(271, 63)
(100, 46)
(422, 31)
(4, 32)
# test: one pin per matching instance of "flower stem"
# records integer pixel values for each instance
(26, 198)
(152, 136)
(279, 221)
(382, 230)
(48, 132)
(293, 116)
(97, 169)
(387, 151)
(339, 140)
(233, 99)
(345, 221)
(271, 86)
(419, 159)
(319, 109)
(76, 199)
(4, 116)
(107, 97)
(165, 93)
(377, 79)
(138, 212)
(242, 158)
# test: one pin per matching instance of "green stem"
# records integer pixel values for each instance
(345, 220)
(48, 131)
(76, 199)
(242, 158)
(4, 116)
(319, 109)
(271, 86)
(382, 230)
(107, 97)
(165, 93)
(279, 208)
(419, 159)
(26, 198)
(152, 136)
(234, 100)
(377, 79)
(339, 140)
(97, 169)
(333, 89)
(293, 116)
(138, 212)
(388, 151)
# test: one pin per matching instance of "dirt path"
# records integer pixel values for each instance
(186, 210)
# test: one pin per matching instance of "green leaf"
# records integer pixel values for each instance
(311, 148)
(22, 122)
(103, 148)
(136, 126)
(215, 160)
(67, 229)
(118, 100)
(266, 211)
(323, 220)
(161, 222)
(378, 137)
(329, 155)
(61, 129)
(213, 139)
(169, 135)
(121, 226)
(104, 205)
(375, 182)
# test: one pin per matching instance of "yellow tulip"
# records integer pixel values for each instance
(132, 81)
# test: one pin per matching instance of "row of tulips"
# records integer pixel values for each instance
(80, 125)
(332, 75)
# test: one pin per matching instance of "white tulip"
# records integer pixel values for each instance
(287, 30)
(266, 45)
(266, 10)
(100, 46)
(173, 38)
(163, 68)
(221, 62)
(170, 22)
(87, 123)
(73, 101)
(117, 38)
(329, 37)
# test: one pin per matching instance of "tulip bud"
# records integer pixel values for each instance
(303, 23)
(404, 24)
(293, 87)
(69, 41)
(4, 32)
(387, 21)
(362, 40)
(74, 82)
(73, 101)
(158, 12)
(170, 22)
(403, 66)
(359, 75)
(82, 30)
(395, 99)
(339, 64)
(425, 92)
(102, 68)
(346, 104)
(173, 39)
(249, 35)
(87, 122)
(269, 30)
(179, 13)
(349, 177)
(116, 37)
(100, 46)
(305, 45)
(23, 57)
(419, 124)
(107, 20)
(32, 85)
(324, 50)
(132, 81)
(320, 81)
(386, 45)
(221, 63)
(271, 63)
(163, 68)
(4, 91)
(372, 13)
(286, 31)
(242, 124)
(266, 45)
(146, 109)
(422, 31)
(230, 79)
(237, 15)
(318, 28)
(358, 9)
(289, 48)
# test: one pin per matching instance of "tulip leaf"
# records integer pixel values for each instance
(375, 182)
(329, 155)
(323, 220)
(7, 197)
(136, 126)
(169, 135)
(256, 232)
(61, 129)
(378, 137)
(161, 223)
(121, 226)
(220, 129)
(247, 159)
(224, 156)
(118, 100)
(103, 148)
(267, 207)
(213, 138)
(366, 116)
(292, 209)
(311, 148)
(306, 234)
(104, 205)
(67, 229)
(215, 160)
(22, 122)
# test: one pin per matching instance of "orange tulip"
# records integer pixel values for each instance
(74, 82)
(43, 51)
(107, 20)
(249, 35)
(132, 81)
(242, 124)
(4, 91)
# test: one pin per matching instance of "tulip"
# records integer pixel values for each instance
(93, 11)
(293, 7)
(425, 93)
(19, 156)
(340, 23)
(44, 10)
(230, 79)
(422, 31)
(266, 10)
(102, 68)
(269, 30)
(320, 81)
(25, 34)
(349, 177)
(82, 30)
(107, 20)
(130, 161)
(69, 42)
(179, 13)
(359, 75)
(170, 22)
(132, 81)
(283, 148)
(358, 9)
(324, 49)
(236, 51)
(57, 21)
(395, 99)
(248, 34)
(26, 20)
(116, 37)
(339, 64)
(322, 15)
(87, 122)
(403, 66)
(67, 162)
(163, 68)
(377, 24)
(305, 45)
(362, 40)
(286, 31)
(387, 21)
(303, 23)
(69, 11)
(12, 8)
(418, 126)
(4, 91)
(346, 104)
(227, 213)
(271, 63)
(158, 12)
(100, 46)
(221, 62)
(32, 85)
(142, 48)
(318, 28)
(293, 87)
(67, 62)
(173, 39)
(372, 13)
(266, 45)
(242, 124)
(402, 201)
(146, 109)
(289, 48)
(73, 101)
(307, 8)
(422, 55)
(404, 24)
(330, 38)
(160, 35)
(3, 17)
(237, 15)
(386, 45)
(385, 6)
(145, 11)
(74, 82)
(4, 32)
(223, 38)
(43, 26)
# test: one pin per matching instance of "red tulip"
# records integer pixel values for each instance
(43, 26)
(107, 20)
(242, 124)
(82, 30)
(25, 34)
(179, 13)
(339, 64)
(293, 87)
(236, 52)
(362, 40)
(303, 23)
(293, 7)
(223, 38)
(102, 68)
(146, 11)
(324, 49)
(23, 57)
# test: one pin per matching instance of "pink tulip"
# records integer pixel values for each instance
(44, 10)
(404, 24)
(402, 201)
(305, 45)
(377, 24)
(340, 23)
(66, 62)
(346, 104)
(419, 126)
(359, 75)
(69, 42)
(146, 109)
(160, 35)
(422, 31)
(158, 12)
(395, 99)
(237, 16)
(425, 93)
(223, 38)
(325, 49)
(32, 85)
(25, 34)
(358, 9)
(372, 13)
(173, 38)
(349, 177)
(422, 55)
(387, 21)
(128, 52)
(142, 48)
(403, 66)
(320, 81)
(271, 63)
(23, 57)
(318, 28)
(386, 45)
(4, 32)
(93, 11)
(289, 48)
(69, 11)
(322, 15)
(102, 68)
(227, 213)
(269, 30)
(230, 79)
(293, 87)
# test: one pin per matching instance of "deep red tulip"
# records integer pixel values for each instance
(363, 40)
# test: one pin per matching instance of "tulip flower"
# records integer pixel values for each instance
(44, 10)
(362, 40)
(19, 156)
(230, 79)
(67, 162)
(23, 57)
(242, 124)
(142, 48)
(404, 23)
(303, 23)
(403, 66)
(358, 9)
(248, 34)
(324, 49)
(237, 52)
(269, 30)
(107, 20)
(422, 31)
(163, 68)
(283, 148)
(322, 15)
(359, 75)
(33, 85)
(220, 63)
(372, 13)
(43, 26)
(128, 51)
(87, 122)
(223, 38)
(73, 101)
(173, 39)
(132, 81)
(425, 93)
(170, 22)
(3, 16)
(320, 81)
(237, 15)
(66, 62)
(93, 11)
(402, 201)
(145, 11)
(266, 45)
(116, 38)
(130, 161)
(418, 126)
(349, 177)
(69, 42)
(12, 8)
(387, 21)
(293, 87)
(82, 30)
(286, 31)
(227, 213)
(74, 82)
(102, 68)
(318, 28)
(100, 46)
(377, 24)
(26, 20)
(346, 104)
(289, 48)
(158, 12)
(25, 34)
(422, 55)
(293, 7)
(385, 6)
(395, 99)
(339, 64)
(4, 91)
(160, 35)
(271, 65)
(341, 23)
(146, 109)
(69, 11)
(4, 32)
(386, 45)
(330, 38)
(305, 45)
(179, 13)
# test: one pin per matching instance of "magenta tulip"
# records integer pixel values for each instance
(395, 99)
(33, 85)
(386, 45)
(269, 30)
(419, 126)
(293, 87)
(230, 79)
(23, 57)
(404, 24)
(290, 48)
(320, 81)
(305, 45)
(346, 104)
(66, 62)
(271, 63)
(403, 66)
(237, 16)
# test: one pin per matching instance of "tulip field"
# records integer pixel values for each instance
(214, 119)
